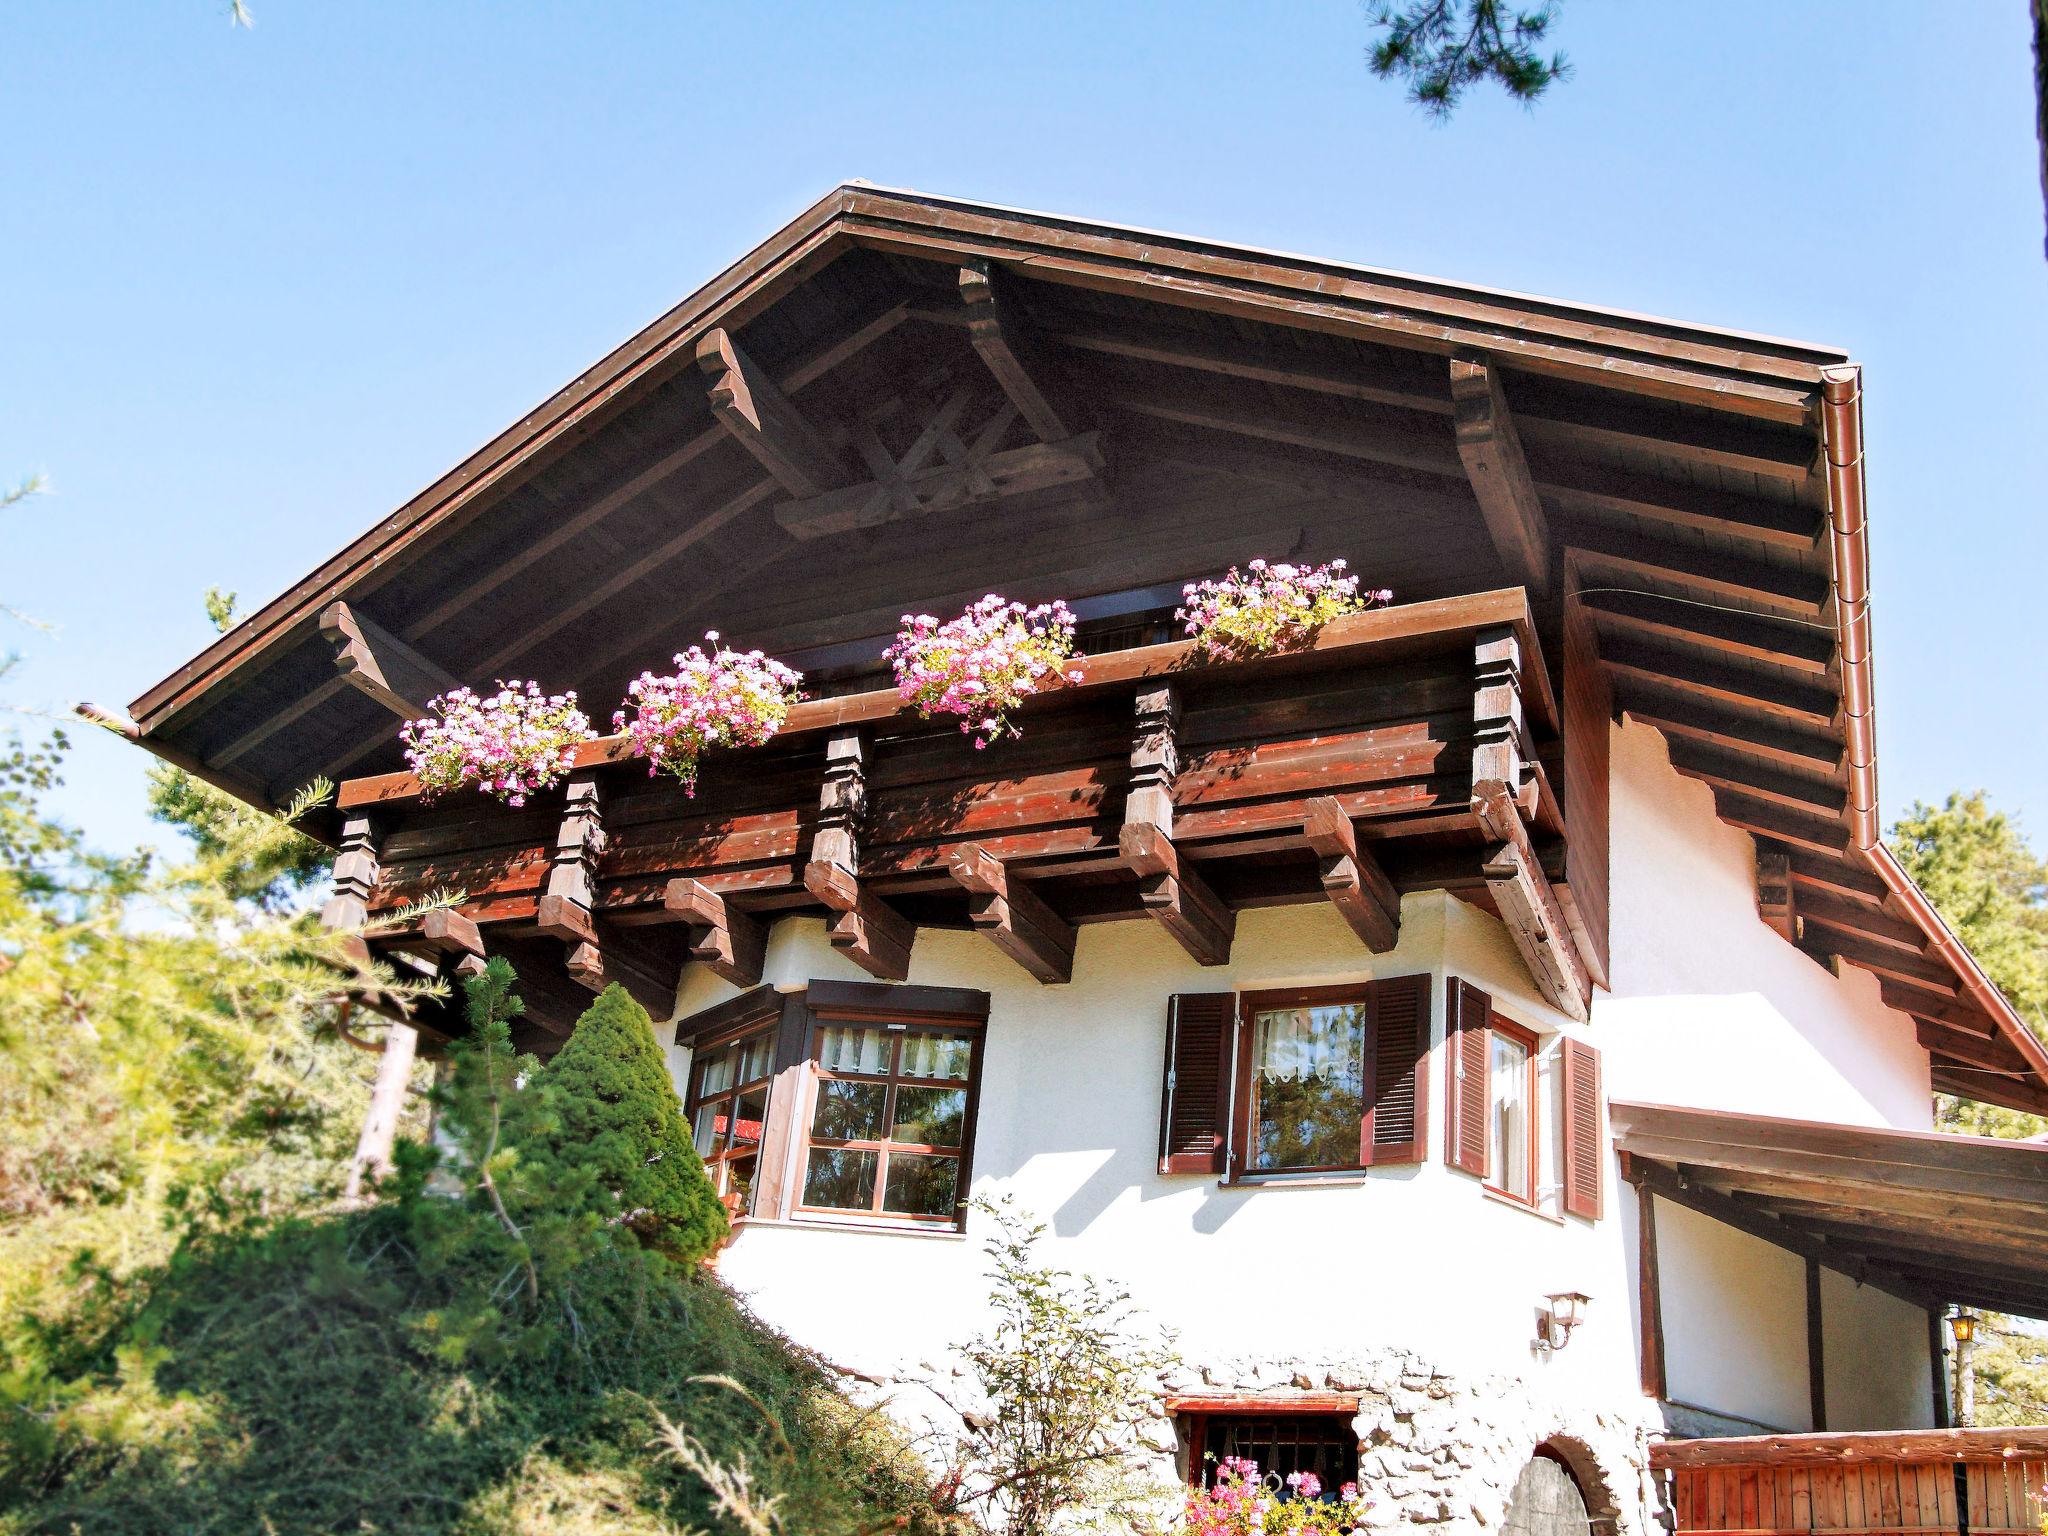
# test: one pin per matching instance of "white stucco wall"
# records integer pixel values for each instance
(1875, 1358)
(1734, 1321)
(1709, 1008)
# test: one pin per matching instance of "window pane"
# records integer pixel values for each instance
(1308, 1086)
(759, 1058)
(1507, 1153)
(715, 1075)
(850, 1111)
(932, 1117)
(709, 1121)
(841, 1180)
(748, 1114)
(920, 1185)
(739, 1179)
(848, 1048)
(947, 1056)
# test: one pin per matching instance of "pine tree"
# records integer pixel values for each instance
(613, 1108)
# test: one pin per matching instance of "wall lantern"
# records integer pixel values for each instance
(1563, 1312)
(1963, 1325)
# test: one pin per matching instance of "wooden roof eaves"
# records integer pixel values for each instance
(1609, 347)
(809, 240)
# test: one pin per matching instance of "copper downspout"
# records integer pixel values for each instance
(1842, 441)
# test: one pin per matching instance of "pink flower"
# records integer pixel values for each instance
(722, 698)
(1268, 608)
(509, 745)
(983, 664)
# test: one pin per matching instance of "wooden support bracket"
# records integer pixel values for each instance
(379, 665)
(866, 929)
(765, 421)
(728, 940)
(1528, 905)
(1775, 902)
(1009, 912)
(1494, 462)
(1181, 899)
(1352, 877)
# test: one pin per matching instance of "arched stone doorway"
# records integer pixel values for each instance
(1547, 1501)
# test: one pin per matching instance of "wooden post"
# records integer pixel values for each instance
(1966, 1382)
(1501, 795)
(1816, 1355)
(1937, 1370)
(1649, 1295)
(571, 889)
(866, 929)
(356, 870)
(1168, 886)
(387, 1108)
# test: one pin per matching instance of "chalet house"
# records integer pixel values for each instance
(1492, 1035)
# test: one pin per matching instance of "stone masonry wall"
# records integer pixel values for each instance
(1437, 1451)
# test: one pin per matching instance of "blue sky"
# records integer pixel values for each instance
(260, 286)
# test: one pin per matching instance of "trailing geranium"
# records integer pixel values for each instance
(1241, 1503)
(983, 664)
(719, 698)
(1269, 607)
(509, 744)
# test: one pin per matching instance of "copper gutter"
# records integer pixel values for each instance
(1841, 408)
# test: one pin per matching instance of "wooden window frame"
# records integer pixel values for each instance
(1532, 1046)
(1249, 1006)
(872, 1006)
(766, 1027)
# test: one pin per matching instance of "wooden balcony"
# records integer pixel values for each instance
(1969, 1482)
(1406, 748)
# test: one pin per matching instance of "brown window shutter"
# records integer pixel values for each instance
(1194, 1103)
(1396, 1128)
(1582, 1149)
(1468, 1039)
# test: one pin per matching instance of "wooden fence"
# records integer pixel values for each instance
(1968, 1482)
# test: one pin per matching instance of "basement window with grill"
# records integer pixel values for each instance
(1281, 1443)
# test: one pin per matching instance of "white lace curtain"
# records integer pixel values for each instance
(1290, 1044)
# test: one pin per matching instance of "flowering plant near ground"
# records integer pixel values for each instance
(725, 698)
(1241, 1503)
(1269, 607)
(983, 664)
(509, 744)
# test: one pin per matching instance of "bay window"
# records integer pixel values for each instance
(728, 1108)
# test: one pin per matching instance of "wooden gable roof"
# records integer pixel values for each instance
(903, 400)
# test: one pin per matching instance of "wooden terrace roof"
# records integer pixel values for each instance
(1933, 1217)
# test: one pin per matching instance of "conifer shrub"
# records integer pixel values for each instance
(614, 1113)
